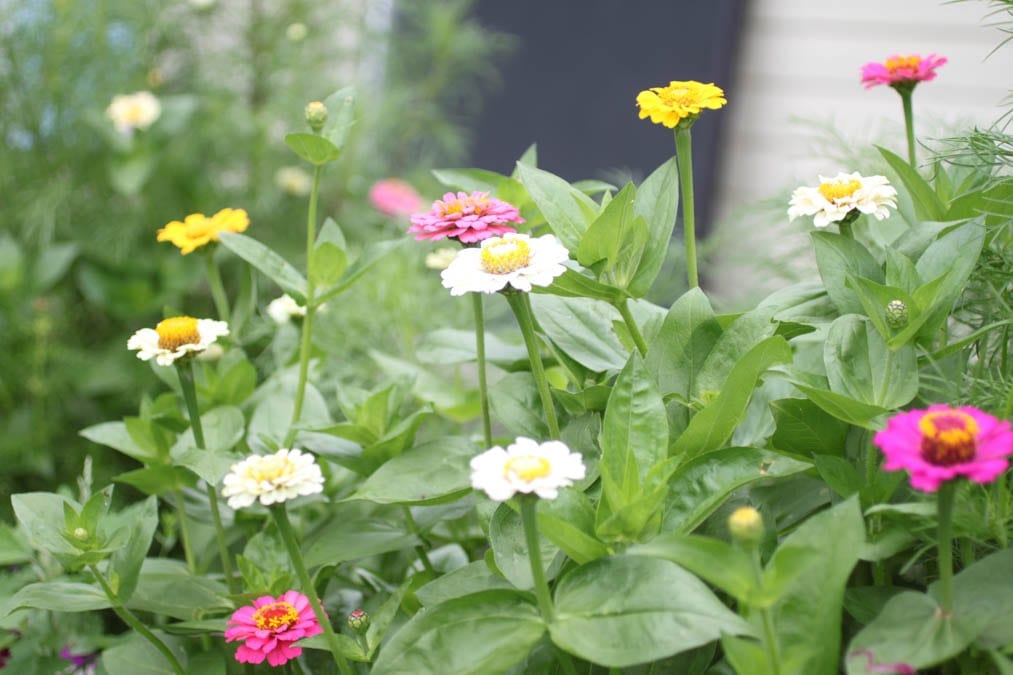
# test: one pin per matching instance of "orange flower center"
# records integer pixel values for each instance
(902, 63)
(527, 467)
(505, 255)
(478, 205)
(275, 616)
(177, 331)
(948, 437)
(834, 190)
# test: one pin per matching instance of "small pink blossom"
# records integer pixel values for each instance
(269, 626)
(873, 667)
(901, 70)
(468, 218)
(394, 197)
(942, 443)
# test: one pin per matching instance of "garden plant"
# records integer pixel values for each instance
(582, 480)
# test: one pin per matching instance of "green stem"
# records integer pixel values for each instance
(631, 325)
(521, 306)
(295, 555)
(684, 153)
(306, 342)
(845, 228)
(221, 300)
(483, 386)
(909, 123)
(134, 623)
(945, 503)
(420, 550)
(529, 517)
(189, 389)
(1001, 498)
(184, 531)
(769, 634)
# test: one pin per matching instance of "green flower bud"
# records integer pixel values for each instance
(896, 314)
(358, 621)
(316, 115)
(81, 534)
(746, 526)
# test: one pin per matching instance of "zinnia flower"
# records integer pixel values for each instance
(272, 479)
(293, 180)
(942, 443)
(81, 664)
(837, 197)
(467, 218)
(284, 309)
(176, 338)
(902, 71)
(129, 112)
(679, 102)
(527, 467)
(514, 259)
(394, 197)
(269, 627)
(198, 230)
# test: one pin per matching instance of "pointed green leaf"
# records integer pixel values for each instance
(568, 211)
(272, 265)
(316, 150)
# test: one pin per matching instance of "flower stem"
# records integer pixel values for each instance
(521, 306)
(631, 325)
(769, 634)
(135, 623)
(945, 504)
(909, 123)
(529, 517)
(186, 384)
(684, 153)
(295, 555)
(221, 300)
(420, 550)
(306, 342)
(483, 386)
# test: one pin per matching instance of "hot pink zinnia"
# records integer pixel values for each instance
(469, 218)
(902, 70)
(270, 626)
(941, 443)
(394, 197)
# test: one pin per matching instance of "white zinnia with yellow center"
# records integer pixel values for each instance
(527, 467)
(293, 180)
(272, 479)
(517, 260)
(129, 112)
(175, 338)
(836, 197)
(284, 309)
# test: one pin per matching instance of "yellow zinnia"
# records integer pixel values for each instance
(197, 230)
(679, 102)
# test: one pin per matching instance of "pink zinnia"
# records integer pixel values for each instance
(942, 443)
(394, 197)
(902, 70)
(469, 218)
(270, 626)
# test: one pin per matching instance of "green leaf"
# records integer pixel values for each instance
(678, 352)
(617, 236)
(568, 211)
(50, 266)
(434, 472)
(844, 407)
(267, 261)
(573, 284)
(57, 596)
(874, 298)
(316, 150)
(116, 436)
(449, 346)
(927, 204)
(747, 656)
(625, 610)
(515, 402)
(711, 428)
(839, 257)
(165, 587)
(939, 259)
(158, 479)
(340, 117)
(703, 484)
(14, 549)
(137, 656)
(328, 263)
(727, 567)
(510, 548)
(657, 203)
(805, 429)
(341, 540)
(373, 253)
(860, 365)
(568, 522)
(41, 516)
(472, 578)
(736, 340)
(480, 634)
(141, 520)
(581, 328)
(982, 598)
(469, 180)
(839, 473)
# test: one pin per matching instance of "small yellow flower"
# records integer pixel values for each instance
(198, 230)
(679, 103)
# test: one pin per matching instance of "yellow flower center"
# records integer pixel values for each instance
(177, 331)
(948, 437)
(275, 616)
(834, 190)
(477, 204)
(270, 469)
(901, 62)
(527, 467)
(505, 255)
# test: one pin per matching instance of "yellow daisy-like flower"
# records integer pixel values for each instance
(197, 230)
(679, 102)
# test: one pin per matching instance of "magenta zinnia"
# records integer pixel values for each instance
(269, 626)
(467, 218)
(942, 443)
(394, 197)
(902, 70)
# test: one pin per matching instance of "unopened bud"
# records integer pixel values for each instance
(746, 526)
(896, 314)
(80, 533)
(358, 621)
(316, 115)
